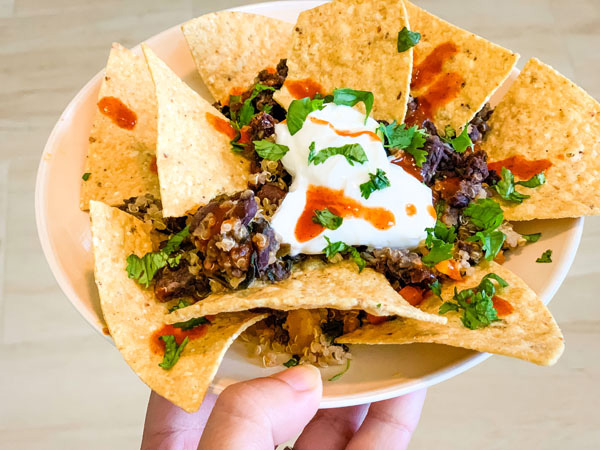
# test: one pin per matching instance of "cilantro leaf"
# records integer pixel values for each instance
(377, 182)
(439, 251)
(181, 304)
(449, 133)
(407, 39)
(143, 269)
(341, 247)
(441, 231)
(462, 141)
(293, 361)
(352, 152)
(339, 375)
(247, 111)
(491, 242)
(327, 219)
(192, 323)
(270, 150)
(485, 213)
(299, 110)
(436, 288)
(506, 186)
(86, 176)
(477, 304)
(533, 237)
(546, 257)
(172, 351)
(350, 97)
(411, 140)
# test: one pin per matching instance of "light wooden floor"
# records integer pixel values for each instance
(62, 386)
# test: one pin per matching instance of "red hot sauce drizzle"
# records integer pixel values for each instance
(158, 346)
(319, 197)
(303, 88)
(442, 87)
(407, 162)
(118, 112)
(521, 167)
(221, 125)
(502, 307)
(345, 133)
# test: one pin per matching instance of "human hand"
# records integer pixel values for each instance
(261, 413)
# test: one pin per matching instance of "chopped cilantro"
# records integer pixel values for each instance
(247, 111)
(143, 269)
(270, 150)
(449, 133)
(352, 152)
(441, 231)
(293, 361)
(192, 323)
(407, 39)
(506, 186)
(341, 247)
(327, 219)
(440, 242)
(351, 97)
(299, 110)
(172, 351)
(86, 176)
(491, 242)
(436, 288)
(337, 376)
(477, 304)
(377, 182)
(533, 237)
(546, 257)
(485, 213)
(181, 304)
(411, 140)
(461, 142)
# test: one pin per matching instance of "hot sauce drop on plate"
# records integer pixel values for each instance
(320, 197)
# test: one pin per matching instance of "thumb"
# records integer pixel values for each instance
(261, 413)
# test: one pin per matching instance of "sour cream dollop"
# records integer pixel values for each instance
(408, 202)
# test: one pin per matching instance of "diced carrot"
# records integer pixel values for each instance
(412, 295)
(451, 268)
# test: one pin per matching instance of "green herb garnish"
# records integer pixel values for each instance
(247, 111)
(293, 361)
(440, 242)
(181, 304)
(533, 237)
(506, 186)
(546, 257)
(192, 323)
(337, 376)
(334, 248)
(327, 219)
(477, 304)
(172, 351)
(350, 97)
(459, 143)
(352, 152)
(270, 150)
(436, 288)
(411, 140)
(86, 176)
(485, 213)
(491, 242)
(299, 110)
(407, 39)
(143, 269)
(377, 182)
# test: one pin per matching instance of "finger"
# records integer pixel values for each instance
(169, 427)
(261, 413)
(389, 425)
(331, 429)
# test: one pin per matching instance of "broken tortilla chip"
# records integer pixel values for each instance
(194, 157)
(455, 72)
(545, 118)
(351, 44)
(122, 143)
(529, 332)
(231, 47)
(133, 314)
(311, 286)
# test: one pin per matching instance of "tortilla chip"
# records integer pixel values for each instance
(119, 160)
(546, 116)
(482, 65)
(195, 161)
(313, 285)
(133, 314)
(353, 44)
(231, 47)
(528, 333)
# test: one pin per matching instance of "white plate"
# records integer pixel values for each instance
(377, 372)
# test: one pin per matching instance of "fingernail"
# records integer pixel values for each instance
(301, 378)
